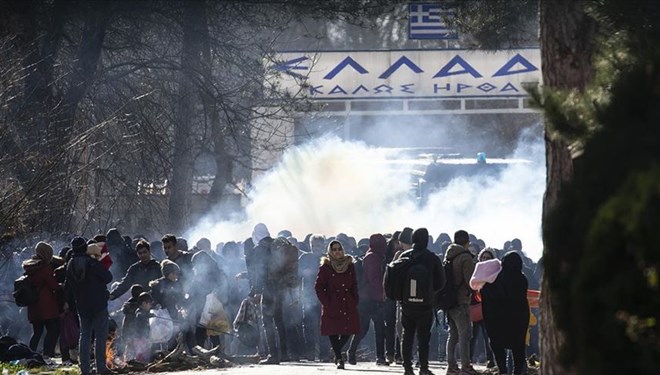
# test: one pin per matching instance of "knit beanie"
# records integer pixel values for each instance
(136, 290)
(420, 238)
(79, 245)
(43, 251)
(406, 236)
(167, 267)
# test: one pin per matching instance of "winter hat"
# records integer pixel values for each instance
(136, 290)
(489, 251)
(259, 233)
(79, 245)
(144, 297)
(420, 238)
(43, 251)
(167, 267)
(396, 235)
(285, 233)
(406, 236)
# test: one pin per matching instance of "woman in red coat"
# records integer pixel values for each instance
(44, 312)
(336, 288)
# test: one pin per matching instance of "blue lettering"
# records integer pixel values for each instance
(406, 88)
(509, 87)
(361, 87)
(460, 87)
(457, 60)
(437, 87)
(506, 69)
(313, 90)
(383, 88)
(400, 62)
(336, 90)
(348, 61)
(486, 87)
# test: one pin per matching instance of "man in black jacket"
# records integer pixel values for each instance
(418, 317)
(141, 272)
(86, 281)
(272, 295)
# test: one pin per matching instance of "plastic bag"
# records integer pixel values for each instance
(70, 331)
(214, 317)
(161, 327)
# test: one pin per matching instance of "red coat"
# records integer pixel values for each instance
(338, 294)
(41, 275)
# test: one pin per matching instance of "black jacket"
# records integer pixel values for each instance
(168, 294)
(86, 282)
(434, 265)
(138, 273)
(258, 269)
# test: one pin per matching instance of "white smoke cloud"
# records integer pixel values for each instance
(330, 186)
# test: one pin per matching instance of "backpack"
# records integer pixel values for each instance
(446, 298)
(25, 292)
(397, 278)
(283, 264)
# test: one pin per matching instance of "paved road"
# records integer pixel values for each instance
(304, 368)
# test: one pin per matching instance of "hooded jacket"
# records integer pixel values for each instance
(463, 267)
(86, 282)
(373, 268)
(505, 306)
(41, 275)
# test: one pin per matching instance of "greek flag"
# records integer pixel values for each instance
(426, 22)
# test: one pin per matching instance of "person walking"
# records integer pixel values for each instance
(417, 315)
(87, 282)
(505, 309)
(337, 290)
(44, 312)
(372, 299)
(458, 317)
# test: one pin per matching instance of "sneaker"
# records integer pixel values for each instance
(351, 359)
(453, 371)
(398, 360)
(425, 371)
(382, 362)
(490, 364)
(270, 361)
(469, 370)
(341, 366)
(417, 364)
(409, 371)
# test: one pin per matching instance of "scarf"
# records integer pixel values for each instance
(340, 265)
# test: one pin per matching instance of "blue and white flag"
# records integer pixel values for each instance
(426, 21)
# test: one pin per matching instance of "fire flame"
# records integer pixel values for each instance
(112, 361)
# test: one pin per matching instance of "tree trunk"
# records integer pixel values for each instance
(180, 185)
(567, 48)
(46, 114)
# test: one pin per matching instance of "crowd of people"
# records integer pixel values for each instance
(275, 296)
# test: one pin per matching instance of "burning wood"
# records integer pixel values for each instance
(113, 361)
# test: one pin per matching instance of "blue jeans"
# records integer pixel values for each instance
(99, 325)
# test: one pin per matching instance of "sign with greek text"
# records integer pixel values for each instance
(407, 74)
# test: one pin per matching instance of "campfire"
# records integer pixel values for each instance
(177, 359)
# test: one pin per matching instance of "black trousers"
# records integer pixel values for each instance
(338, 342)
(389, 313)
(371, 311)
(518, 358)
(416, 322)
(312, 324)
(52, 335)
(273, 316)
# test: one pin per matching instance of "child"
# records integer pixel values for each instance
(99, 251)
(129, 309)
(142, 344)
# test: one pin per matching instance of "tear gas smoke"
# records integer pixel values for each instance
(330, 186)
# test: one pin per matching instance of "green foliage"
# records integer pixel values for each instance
(498, 24)
(602, 261)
